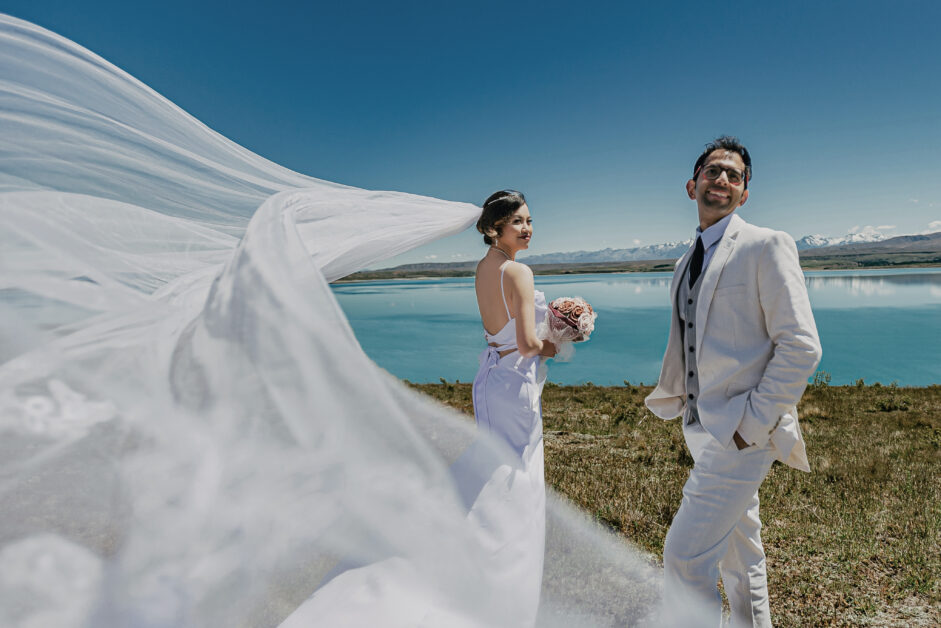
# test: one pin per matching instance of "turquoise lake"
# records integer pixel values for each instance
(881, 326)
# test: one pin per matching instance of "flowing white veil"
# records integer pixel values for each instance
(190, 434)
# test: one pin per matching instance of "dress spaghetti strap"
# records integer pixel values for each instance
(502, 293)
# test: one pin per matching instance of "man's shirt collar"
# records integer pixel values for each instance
(715, 232)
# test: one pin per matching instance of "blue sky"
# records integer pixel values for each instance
(595, 111)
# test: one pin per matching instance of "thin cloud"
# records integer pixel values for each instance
(870, 231)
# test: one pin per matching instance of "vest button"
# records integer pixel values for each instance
(691, 349)
(690, 325)
(691, 373)
(690, 301)
(692, 396)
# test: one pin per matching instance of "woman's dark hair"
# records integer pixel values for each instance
(497, 210)
(728, 143)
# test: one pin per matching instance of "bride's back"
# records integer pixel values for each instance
(490, 293)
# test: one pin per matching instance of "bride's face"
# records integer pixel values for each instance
(516, 234)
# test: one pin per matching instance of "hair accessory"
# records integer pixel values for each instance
(506, 194)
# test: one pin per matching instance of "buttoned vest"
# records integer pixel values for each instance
(686, 300)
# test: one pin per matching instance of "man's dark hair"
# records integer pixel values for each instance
(731, 144)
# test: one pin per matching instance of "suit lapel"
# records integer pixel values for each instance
(711, 277)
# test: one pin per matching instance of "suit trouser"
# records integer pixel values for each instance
(717, 529)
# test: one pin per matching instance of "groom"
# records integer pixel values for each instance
(742, 344)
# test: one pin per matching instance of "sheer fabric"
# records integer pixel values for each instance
(190, 434)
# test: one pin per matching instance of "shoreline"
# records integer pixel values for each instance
(910, 251)
(588, 269)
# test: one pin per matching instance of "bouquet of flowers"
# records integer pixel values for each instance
(570, 320)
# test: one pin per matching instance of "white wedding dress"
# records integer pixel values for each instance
(190, 432)
(508, 511)
(500, 480)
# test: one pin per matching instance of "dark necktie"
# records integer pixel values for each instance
(695, 266)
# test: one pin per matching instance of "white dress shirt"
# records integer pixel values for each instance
(710, 238)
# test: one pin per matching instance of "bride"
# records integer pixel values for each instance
(510, 510)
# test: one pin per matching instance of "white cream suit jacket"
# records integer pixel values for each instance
(756, 343)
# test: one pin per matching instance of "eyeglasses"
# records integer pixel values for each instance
(713, 172)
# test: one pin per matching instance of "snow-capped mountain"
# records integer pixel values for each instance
(673, 250)
(668, 250)
(816, 241)
(926, 245)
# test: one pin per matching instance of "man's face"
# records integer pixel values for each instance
(717, 198)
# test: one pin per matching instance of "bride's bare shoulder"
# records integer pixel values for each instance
(519, 270)
(519, 276)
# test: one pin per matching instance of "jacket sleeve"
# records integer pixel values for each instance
(790, 325)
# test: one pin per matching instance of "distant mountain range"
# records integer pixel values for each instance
(817, 241)
(673, 250)
(817, 253)
(809, 246)
(924, 243)
(669, 250)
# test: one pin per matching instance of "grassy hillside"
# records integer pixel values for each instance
(856, 542)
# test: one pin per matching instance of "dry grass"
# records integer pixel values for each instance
(856, 542)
